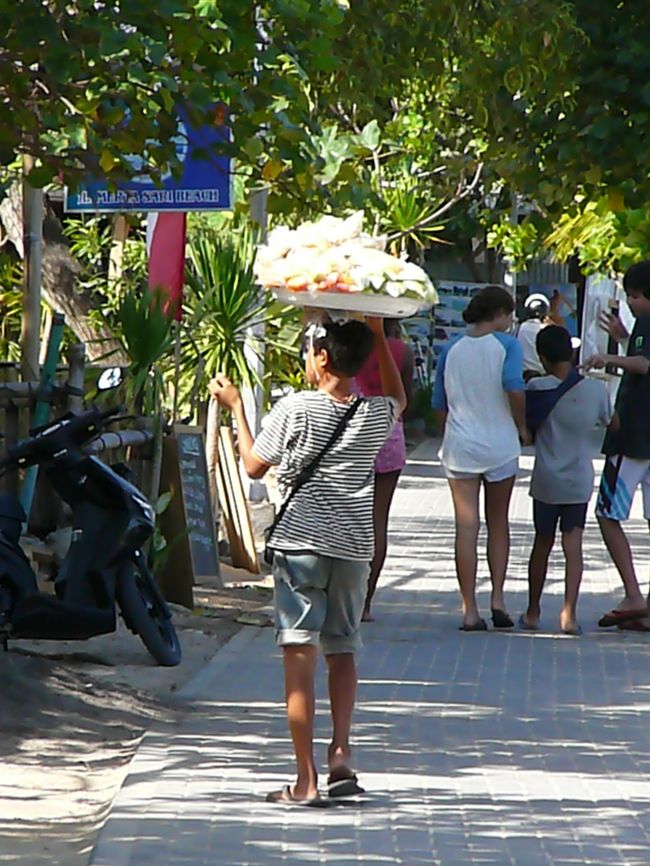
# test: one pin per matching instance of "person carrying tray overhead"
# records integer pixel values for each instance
(324, 443)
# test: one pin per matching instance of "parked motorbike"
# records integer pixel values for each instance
(105, 564)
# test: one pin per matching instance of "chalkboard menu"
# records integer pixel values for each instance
(188, 524)
(196, 498)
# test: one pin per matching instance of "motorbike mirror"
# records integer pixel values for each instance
(110, 378)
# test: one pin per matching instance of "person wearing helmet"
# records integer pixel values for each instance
(536, 316)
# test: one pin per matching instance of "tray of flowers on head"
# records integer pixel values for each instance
(333, 264)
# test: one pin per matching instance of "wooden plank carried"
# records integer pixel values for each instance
(226, 496)
(235, 506)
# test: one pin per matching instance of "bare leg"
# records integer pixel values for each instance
(537, 566)
(385, 484)
(619, 549)
(497, 502)
(464, 493)
(342, 682)
(572, 546)
(299, 671)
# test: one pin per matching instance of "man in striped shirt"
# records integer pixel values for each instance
(324, 542)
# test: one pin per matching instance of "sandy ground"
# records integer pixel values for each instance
(72, 715)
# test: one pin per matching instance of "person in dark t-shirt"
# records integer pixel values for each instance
(627, 446)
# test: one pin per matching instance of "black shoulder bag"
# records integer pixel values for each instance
(540, 404)
(303, 477)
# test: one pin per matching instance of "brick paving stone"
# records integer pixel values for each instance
(502, 749)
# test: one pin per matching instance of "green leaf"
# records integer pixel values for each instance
(370, 135)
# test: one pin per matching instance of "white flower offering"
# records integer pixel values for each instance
(336, 256)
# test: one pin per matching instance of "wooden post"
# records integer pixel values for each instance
(156, 460)
(120, 234)
(11, 431)
(42, 407)
(76, 360)
(254, 397)
(32, 246)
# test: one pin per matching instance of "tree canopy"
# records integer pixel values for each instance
(311, 86)
(402, 107)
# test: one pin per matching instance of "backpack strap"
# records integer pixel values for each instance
(540, 404)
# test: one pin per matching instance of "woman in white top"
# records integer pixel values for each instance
(479, 394)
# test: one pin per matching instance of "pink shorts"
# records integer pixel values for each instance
(392, 457)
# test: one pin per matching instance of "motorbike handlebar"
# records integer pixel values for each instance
(63, 433)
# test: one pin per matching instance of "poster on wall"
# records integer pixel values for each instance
(432, 329)
(600, 292)
(603, 295)
(448, 314)
(419, 330)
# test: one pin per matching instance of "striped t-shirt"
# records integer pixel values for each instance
(332, 513)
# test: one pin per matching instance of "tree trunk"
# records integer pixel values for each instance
(61, 273)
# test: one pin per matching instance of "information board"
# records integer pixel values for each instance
(188, 524)
(204, 183)
(196, 499)
(454, 296)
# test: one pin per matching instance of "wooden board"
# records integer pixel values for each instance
(188, 524)
(234, 506)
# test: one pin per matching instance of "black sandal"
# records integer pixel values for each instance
(343, 782)
(479, 625)
(500, 619)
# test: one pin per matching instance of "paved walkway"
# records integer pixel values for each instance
(497, 748)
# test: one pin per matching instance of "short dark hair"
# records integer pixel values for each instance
(554, 344)
(487, 303)
(637, 278)
(348, 345)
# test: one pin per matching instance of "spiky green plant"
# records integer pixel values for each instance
(11, 309)
(228, 316)
(409, 219)
(147, 336)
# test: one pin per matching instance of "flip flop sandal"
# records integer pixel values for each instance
(525, 626)
(500, 619)
(479, 625)
(616, 617)
(634, 625)
(343, 782)
(286, 798)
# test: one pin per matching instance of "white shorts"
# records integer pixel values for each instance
(618, 483)
(492, 476)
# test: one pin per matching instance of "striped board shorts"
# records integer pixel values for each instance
(619, 481)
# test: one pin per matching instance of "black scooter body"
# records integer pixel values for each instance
(111, 521)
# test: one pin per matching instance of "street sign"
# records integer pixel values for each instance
(204, 184)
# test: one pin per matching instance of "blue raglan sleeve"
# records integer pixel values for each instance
(512, 375)
(439, 396)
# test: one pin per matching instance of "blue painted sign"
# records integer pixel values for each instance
(204, 184)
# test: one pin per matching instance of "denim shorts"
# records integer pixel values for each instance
(319, 599)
